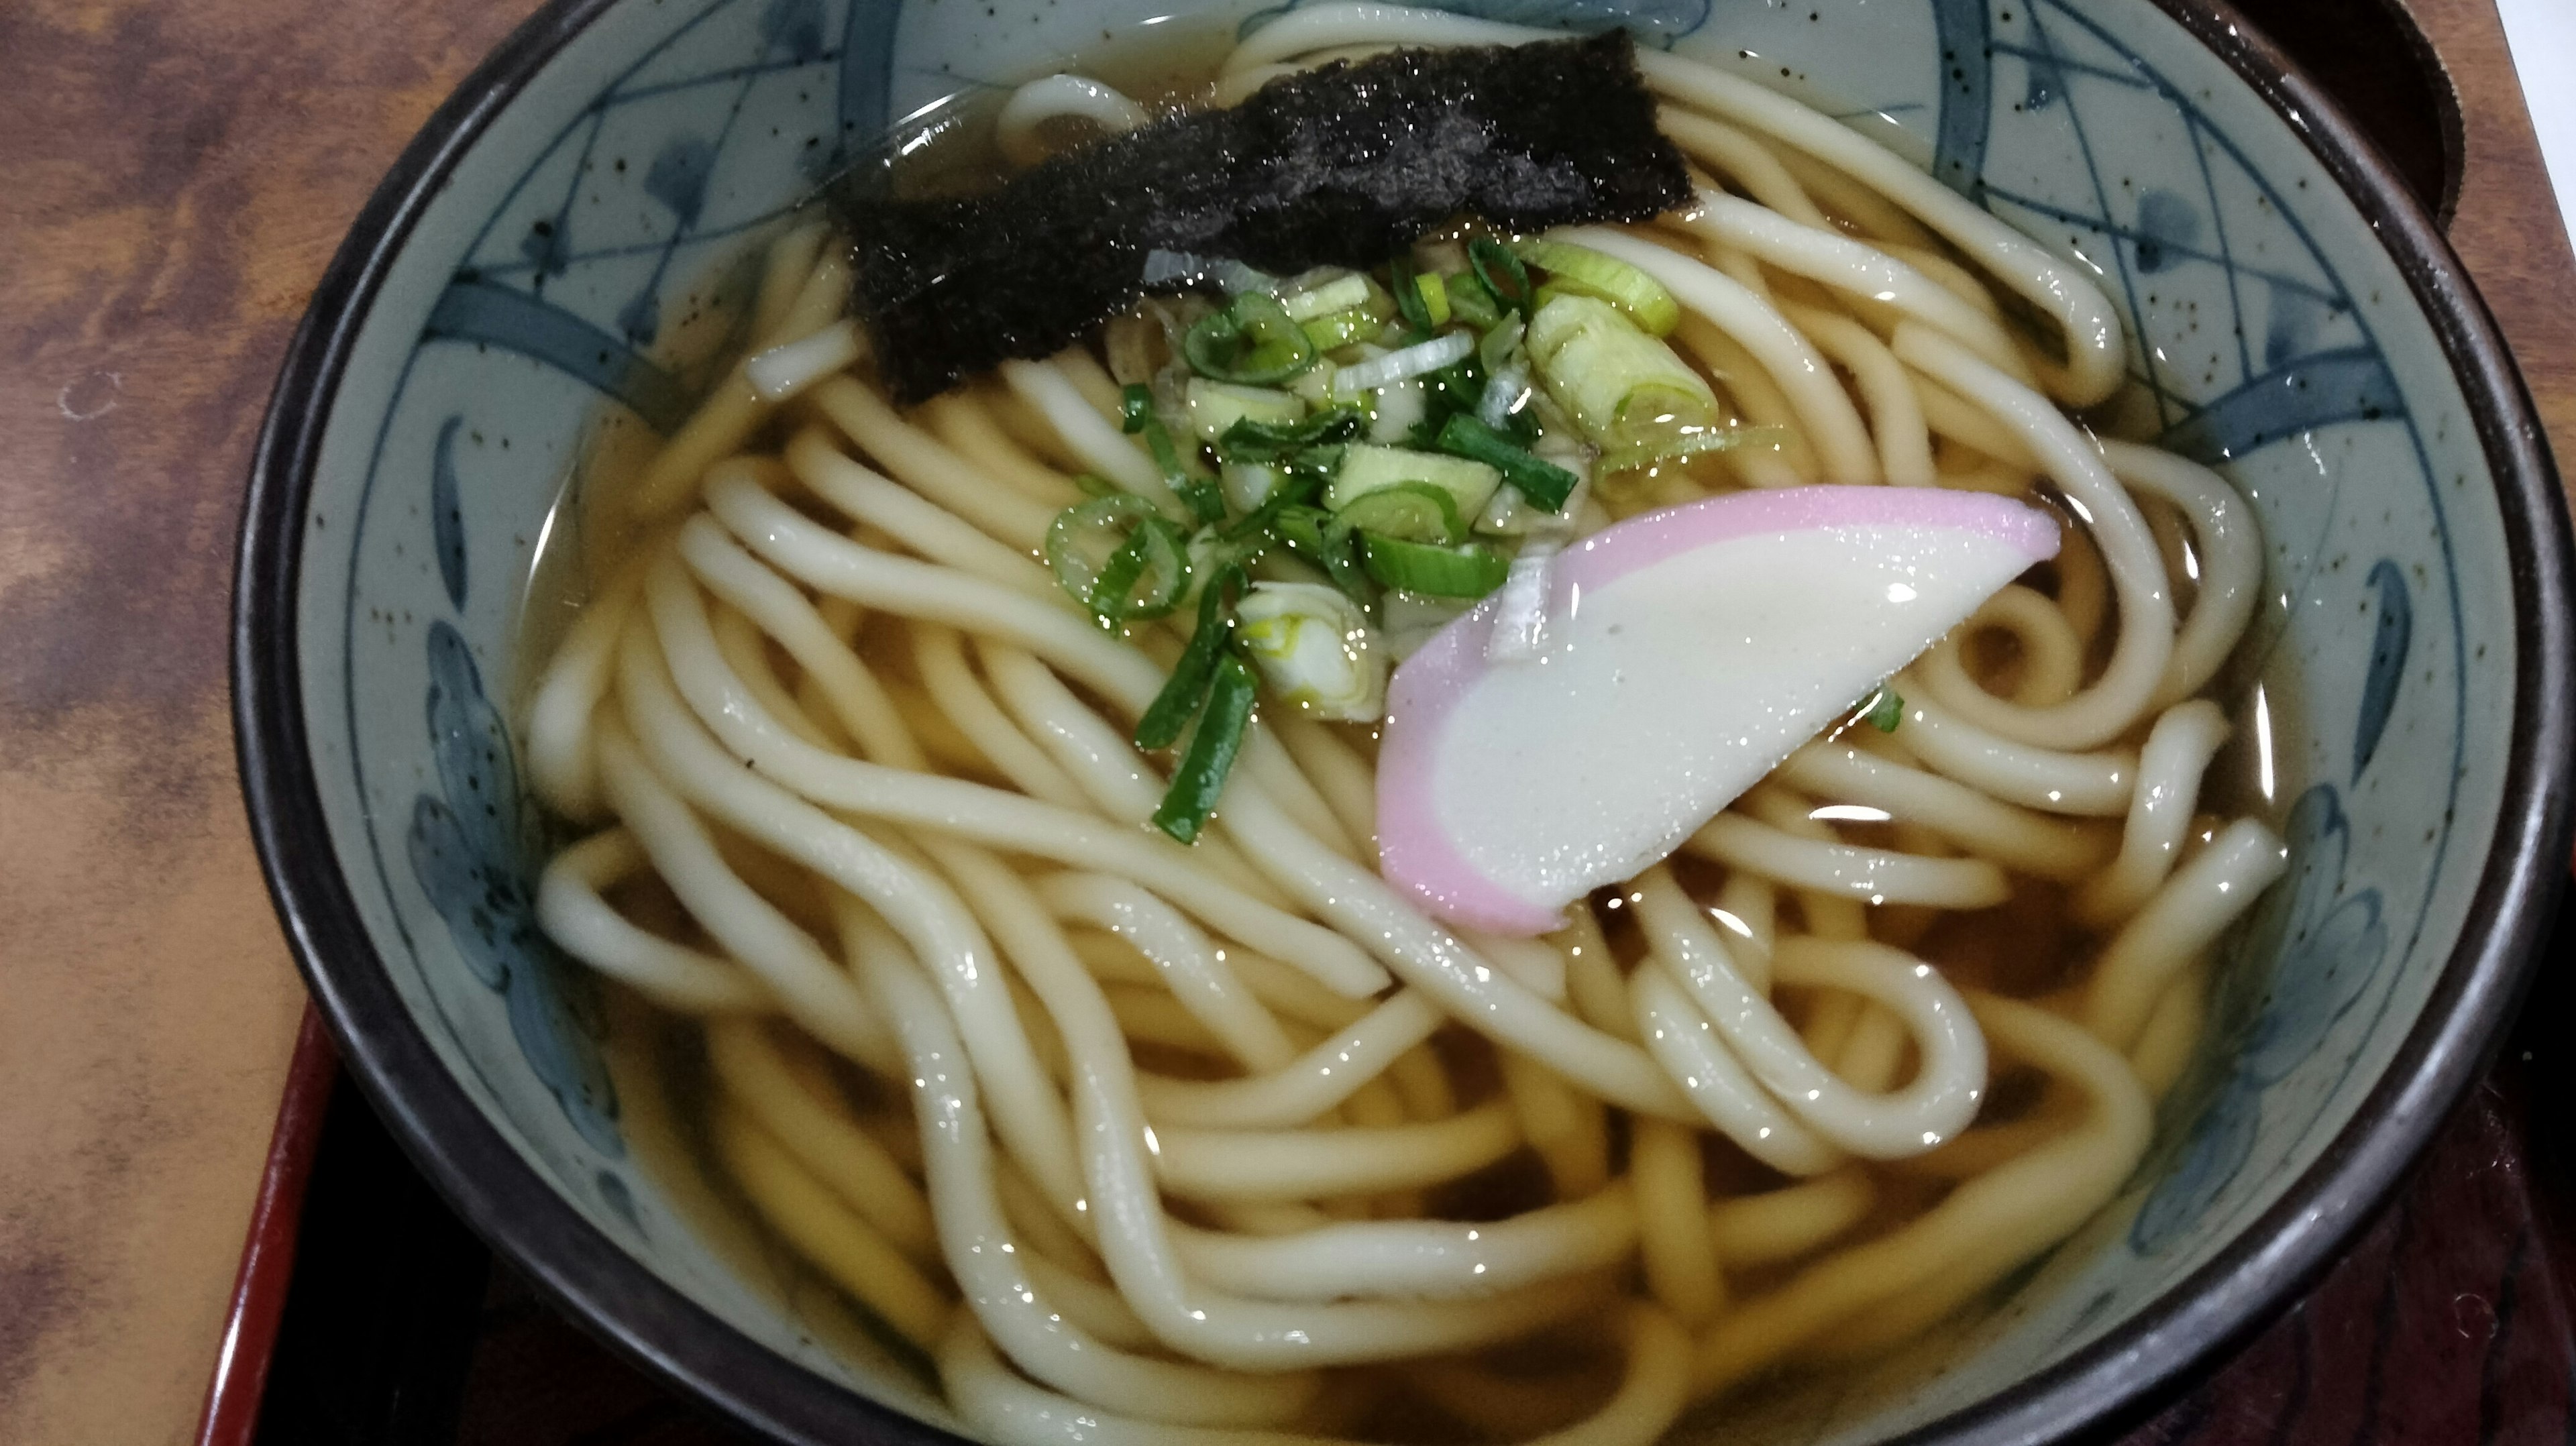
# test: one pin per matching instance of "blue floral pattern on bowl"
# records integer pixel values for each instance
(574, 273)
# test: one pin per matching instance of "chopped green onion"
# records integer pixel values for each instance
(1502, 273)
(1201, 494)
(1212, 406)
(1092, 484)
(1252, 440)
(1204, 498)
(1346, 292)
(1435, 297)
(1369, 468)
(1412, 361)
(1407, 512)
(1119, 575)
(1103, 550)
(1471, 301)
(1622, 386)
(1201, 777)
(1249, 485)
(1586, 272)
(1253, 526)
(1315, 535)
(1686, 443)
(1458, 387)
(1501, 347)
(1252, 341)
(1470, 571)
(1315, 649)
(1410, 301)
(1886, 710)
(1541, 481)
(1182, 693)
(1335, 330)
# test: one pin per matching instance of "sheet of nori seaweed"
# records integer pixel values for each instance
(1339, 165)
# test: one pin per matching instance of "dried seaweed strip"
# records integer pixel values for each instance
(1340, 165)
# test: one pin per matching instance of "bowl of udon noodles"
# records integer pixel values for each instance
(919, 917)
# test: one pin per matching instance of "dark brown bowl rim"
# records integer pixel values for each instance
(2109, 1384)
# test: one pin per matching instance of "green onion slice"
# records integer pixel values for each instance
(1251, 441)
(1410, 303)
(1407, 512)
(1341, 328)
(1253, 527)
(1687, 443)
(1470, 571)
(1586, 272)
(1187, 688)
(1886, 710)
(1543, 482)
(1317, 536)
(1252, 341)
(1472, 302)
(1219, 737)
(1502, 273)
(1118, 557)
(1201, 495)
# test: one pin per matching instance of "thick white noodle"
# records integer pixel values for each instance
(1863, 271)
(1947, 1086)
(2129, 682)
(1418, 1259)
(1057, 97)
(571, 911)
(2231, 559)
(2017, 838)
(2170, 766)
(1012, 958)
(2184, 917)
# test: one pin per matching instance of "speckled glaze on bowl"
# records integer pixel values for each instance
(566, 224)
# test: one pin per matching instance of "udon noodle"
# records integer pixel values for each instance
(1230, 1143)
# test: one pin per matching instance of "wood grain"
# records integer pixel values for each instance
(2507, 228)
(173, 179)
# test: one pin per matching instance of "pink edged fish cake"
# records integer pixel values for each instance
(1685, 654)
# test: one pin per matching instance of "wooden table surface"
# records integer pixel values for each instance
(173, 178)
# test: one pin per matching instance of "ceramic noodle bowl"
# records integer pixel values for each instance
(549, 270)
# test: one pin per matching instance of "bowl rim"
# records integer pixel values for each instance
(2109, 1384)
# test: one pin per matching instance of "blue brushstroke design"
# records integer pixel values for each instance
(620, 1200)
(2045, 85)
(2218, 1150)
(2350, 385)
(792, 30)
(447, 513)
(480, 311)
(473, 847)
(2327, 945)
(2388, 648)
(2292, 326)
(677, 176)
(1967, 94)
(867, 77)
(548, 245)
(2166, 223)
